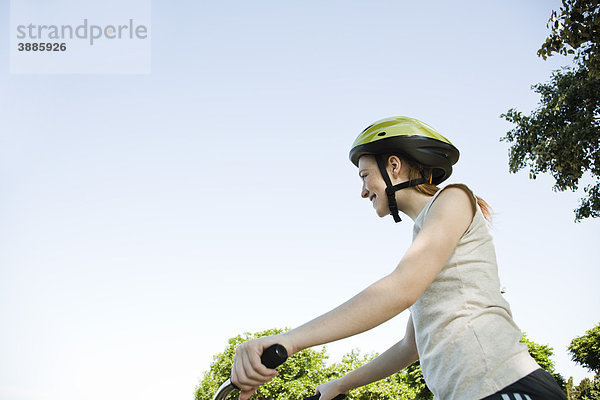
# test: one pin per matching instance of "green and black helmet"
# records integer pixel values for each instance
(408, 138)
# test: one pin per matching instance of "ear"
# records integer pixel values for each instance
(394, 166)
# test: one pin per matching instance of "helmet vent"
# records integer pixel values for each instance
(381, 134)
(367, 128)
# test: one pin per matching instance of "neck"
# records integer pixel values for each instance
(411, 202)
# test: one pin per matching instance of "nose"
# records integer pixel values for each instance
(364, 193)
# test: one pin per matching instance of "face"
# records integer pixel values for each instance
(373, 185)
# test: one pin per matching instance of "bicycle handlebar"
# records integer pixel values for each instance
(271, 358)
(274, 356)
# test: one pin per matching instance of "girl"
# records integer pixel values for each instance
(460, 327)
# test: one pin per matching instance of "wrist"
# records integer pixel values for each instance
(287, 341)
(345, 384)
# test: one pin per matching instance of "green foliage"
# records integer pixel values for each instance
(295, 380)
(415, 379)
(588, 389)
(542, 354)
(562, 136)
(575, 30)
(393, 387)
(585, 350)
(570, 389)
(304, 371)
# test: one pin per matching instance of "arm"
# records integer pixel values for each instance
(448, 219)
(396, 358)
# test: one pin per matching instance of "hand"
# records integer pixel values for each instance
(248, 373)
(330, 390)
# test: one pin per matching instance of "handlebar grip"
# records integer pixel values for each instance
(274, 356)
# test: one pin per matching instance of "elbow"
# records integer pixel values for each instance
(408, 349)
(399, 297)
(407, 295)
(403, 294)
(408, 288)
(410, 352)
(404, 301)
(410, 298)
(395, 293)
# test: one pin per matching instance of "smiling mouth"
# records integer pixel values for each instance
(372, 198)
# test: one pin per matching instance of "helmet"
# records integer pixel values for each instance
(411, 139)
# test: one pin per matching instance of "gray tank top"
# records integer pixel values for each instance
(467, 340)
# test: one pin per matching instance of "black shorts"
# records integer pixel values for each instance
(538, 385)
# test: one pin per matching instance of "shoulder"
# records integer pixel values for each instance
(453, 209)
(449, 216)
(459, 192)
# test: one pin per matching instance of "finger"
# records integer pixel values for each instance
(257, 365)
(260, 370)
(239, 374)
(244, 374)
(245, 395)
(252, 377)
(242, 380)
(234, 373)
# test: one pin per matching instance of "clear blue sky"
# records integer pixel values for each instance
(148, 218)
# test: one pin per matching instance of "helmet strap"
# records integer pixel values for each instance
(391, 190)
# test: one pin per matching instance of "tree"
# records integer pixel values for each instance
(542, 354)
(575, 31)
(588, 389)
(414, 377)
(570, 389)
(562, 136)
(305, 370)
(585, 350)
(296, 379)
(401, 385)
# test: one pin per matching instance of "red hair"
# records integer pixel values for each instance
(417, 171)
